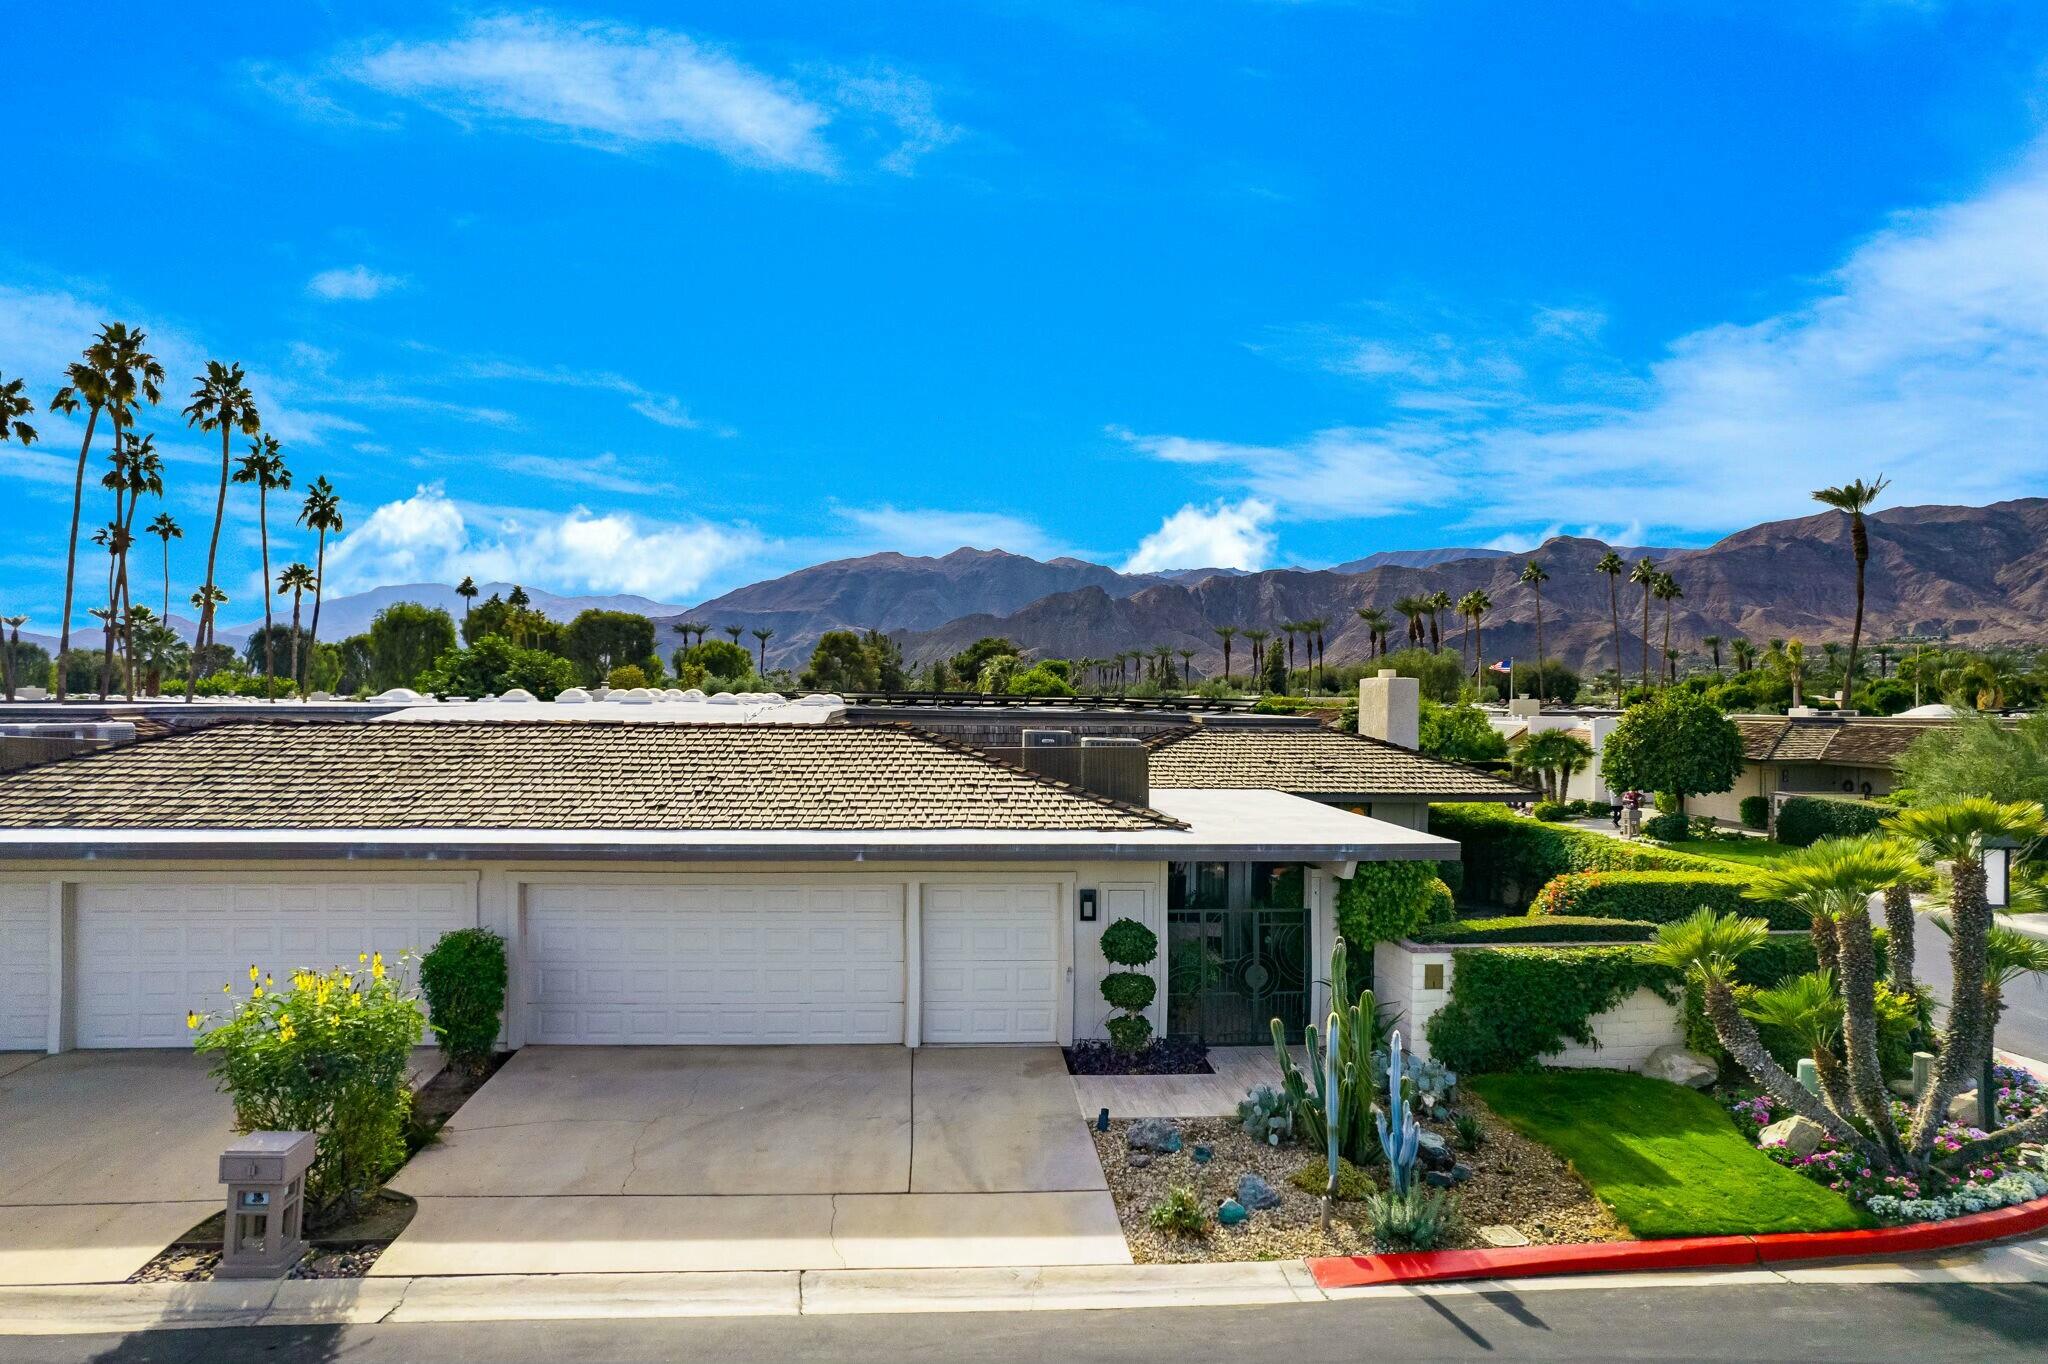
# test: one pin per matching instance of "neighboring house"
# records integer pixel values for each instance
(1819, 753)
(784, 877)
(1520, 718)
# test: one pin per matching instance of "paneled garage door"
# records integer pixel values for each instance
(742, 962)
(25, 967)
(148, 952)
(991, 963)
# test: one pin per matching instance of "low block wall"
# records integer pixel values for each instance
(1625, 1035)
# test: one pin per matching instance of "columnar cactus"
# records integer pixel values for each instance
(1335, 1096)
(1400, 1135)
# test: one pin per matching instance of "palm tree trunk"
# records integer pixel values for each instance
(1646, 636)
(220, 511)
(1614, 611)
(1962, 1049)
(71, 555)
(1898, 941)
(1859, 543)
(1859, 1027)
(1738, 1036)
(297, 593)
(1826, 943)
(319, 589)
(167, 580)
(269, 642)
(1670, 663)
(1834, 1082)
(1540, 697)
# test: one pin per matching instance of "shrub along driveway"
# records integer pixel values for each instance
(1664, 1157)
(619, 1159)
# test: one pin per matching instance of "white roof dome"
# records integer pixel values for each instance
(397, 694)
(1933, 710)
(693, 694)
(574, 696)
(724, 698)
(517, 694)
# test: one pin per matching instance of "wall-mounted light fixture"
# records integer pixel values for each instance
(1088, 906)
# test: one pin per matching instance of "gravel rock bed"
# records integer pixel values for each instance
(1515, 1182)
(188, 1264)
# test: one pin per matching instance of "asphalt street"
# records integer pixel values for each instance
(1811, 1323)
(2023, 1029)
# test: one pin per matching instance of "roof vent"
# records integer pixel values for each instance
(517, 694)
(692, 694)
(573, 696)
(1118, 768)
(397, 694)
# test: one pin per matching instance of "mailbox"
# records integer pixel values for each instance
(266, 1177)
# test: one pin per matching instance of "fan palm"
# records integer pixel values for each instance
(1226, 633)
(298, 580)
(90, 384)
(1808, 1008)
(1792, 655)
(466, 589)
(735, 631)
(1534, 576)
(221, 403)
(1854, 498)
(322, 513)
(1645, 575)
(166, 529)
(1473, 606)
(763, 635)
(15, 409)
(1412, 609)
(264, 466)
(12, 647)
(1187, 667)
(1376, 624)
(136, 471)
(1744, 654)
(1713, 643)
(1258, 639)
(1611, 565)
(1438, 602)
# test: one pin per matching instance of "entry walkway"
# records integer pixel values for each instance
(1237, 1070)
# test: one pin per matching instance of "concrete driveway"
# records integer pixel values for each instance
(105, 1158)
(623, 1159)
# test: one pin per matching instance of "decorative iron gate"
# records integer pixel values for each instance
(1231, 972)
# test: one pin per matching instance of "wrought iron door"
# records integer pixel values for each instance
(1231, 972)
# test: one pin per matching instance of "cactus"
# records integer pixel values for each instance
(1334, 1098)
(1400, 1135)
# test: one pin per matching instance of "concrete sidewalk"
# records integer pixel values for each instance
(98, 1309)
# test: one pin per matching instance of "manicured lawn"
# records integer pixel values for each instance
(1665, 1158)
(1747, 852)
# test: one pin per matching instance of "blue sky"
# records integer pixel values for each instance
(664, 299)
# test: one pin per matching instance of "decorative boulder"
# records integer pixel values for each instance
(1153, 1134)
(1231, 1212)
(1799, 1135)
(1256, 1194)
(1681, 1067)
(1963, 1108)
(1432, 1152)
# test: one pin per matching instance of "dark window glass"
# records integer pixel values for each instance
(1277, 885)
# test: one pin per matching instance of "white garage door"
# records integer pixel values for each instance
(24, 967)
(150, 952)
(991, 963)
(742, 962)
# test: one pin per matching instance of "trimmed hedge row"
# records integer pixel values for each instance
(1386, 901)
(1531, 928)
(1659, 897)
(1805, 820)
(1508, 858)
(1510, 1005)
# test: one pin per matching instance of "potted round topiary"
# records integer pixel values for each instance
(1132, 946)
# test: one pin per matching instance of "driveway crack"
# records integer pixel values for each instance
(832, 1234)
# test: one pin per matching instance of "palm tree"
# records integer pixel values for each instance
(221, 403)
(91, 384)
(14, 407)
(1854, 498)
(1376, 626)
(321, 512)
(519, 601)
(2009, 955)
(1793, 652)
(735, 631)
(1884, 660)
(297, 579)
(1187, 666)
(264, 467)
(1258, 639)
(1667, 590)
(13, 647)
(1611, 565)
(1744, 654)
(106, 619)
(199, 600)
(1645, 574)
(1226, 633)
(1809, 1010)
(1317, 628)
(764, 636)
(1474, 605)
(1438, 602)
(1713, 644)
(1534, 575)
(1413, 608)
(136, 471)
(466, 589)
(166, 529)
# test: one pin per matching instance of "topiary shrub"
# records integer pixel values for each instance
(1508, 858)
(1667, 828)
(1386, 901)
(1755, 812)
(1128, 943)
(1510, 1006)
(463, 977)
(1661, 897)
(1804, 820)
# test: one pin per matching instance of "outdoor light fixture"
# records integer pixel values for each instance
(1998, 871)
(1088, 906)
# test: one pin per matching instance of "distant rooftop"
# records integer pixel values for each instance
(1316, 761)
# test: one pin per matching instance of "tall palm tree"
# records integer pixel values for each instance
(1645, 574)
(13, 647)
(1667, 590)
(1611, 565)
(1793, 652)
(264, 467)
(764, 636)
(735, 631)
(1713, 643)
(1226, 633)
(199, 600)
(1854, 498)
(106, 619)
(166, 529)
(321, 512)
(1473, 606)
(1412, 608)
(90, 385)
(1258, 639)
(136, 470)
(1376, 624)
(221, 403)
(1438, 602)
(15, 408)
(466, 589)
(1187, 667)
(298, 580)
(1744, 654)
(1535, 576)
(519, 601)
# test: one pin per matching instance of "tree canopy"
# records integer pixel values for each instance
(968, 662)
(1460, 733)
(1978, 756)
(404, 639)
(495, 664)
(598, 641)
(1676, 743)
(841, 662)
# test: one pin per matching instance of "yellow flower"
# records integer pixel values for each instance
(362, 956)
(228, 988)
(192, 1021)
(377, 966)
(355, 1001)
(253, 974)
(256, 992)
(285, 1031)
(268, 983)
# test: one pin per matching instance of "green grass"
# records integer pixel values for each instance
(1665, 1158)
(1744, 853)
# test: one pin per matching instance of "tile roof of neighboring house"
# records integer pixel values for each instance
(1315, 761)
(1854, 741)
(346, 775)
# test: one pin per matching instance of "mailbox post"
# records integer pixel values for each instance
(266, 1177)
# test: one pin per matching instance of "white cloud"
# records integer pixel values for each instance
(604, 472)
(927, 530)
(353, 284)
(1335, 474)
(906, 103)
(663, 409)
(428, 537)
(1224, 535)
(606, 83)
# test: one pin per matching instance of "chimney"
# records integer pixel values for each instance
(1117, 768)
(1524, 706)
(1390, 708)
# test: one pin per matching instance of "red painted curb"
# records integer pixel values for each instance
(1701, 1252)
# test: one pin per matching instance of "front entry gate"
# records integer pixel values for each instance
(1231, 972)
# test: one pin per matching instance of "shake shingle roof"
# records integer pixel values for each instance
(1854, 741)
(1315, 761)
(353, 775)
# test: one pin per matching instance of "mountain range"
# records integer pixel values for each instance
(1973, 574)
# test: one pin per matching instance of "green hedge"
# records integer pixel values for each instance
(1756, 812)
(1804, 820)
(1509, 1006)
(1508, 858)
(1535, 928)
(1386, 901)
(1660, 897)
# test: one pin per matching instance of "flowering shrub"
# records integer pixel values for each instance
(2021, 1186)
(329, 1055)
